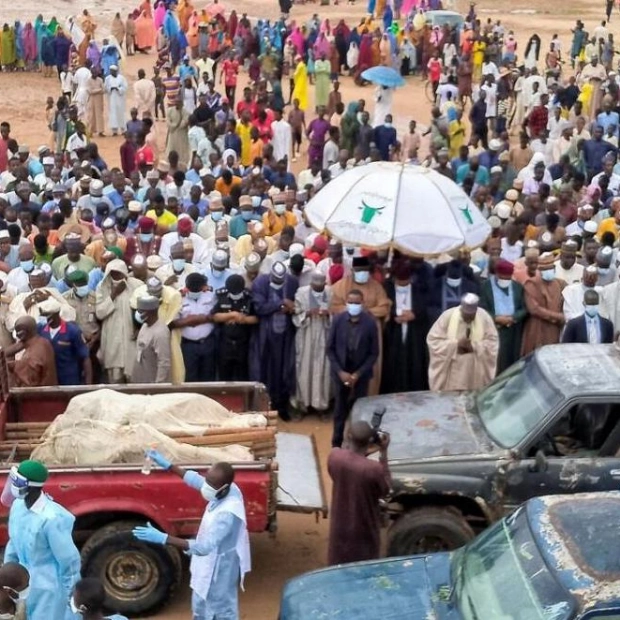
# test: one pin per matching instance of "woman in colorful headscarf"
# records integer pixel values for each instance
(300, 77)
(117, 28)
(364, 58)
(29, 43)
(145, 32)
(349, 128)
(7, 47)
(159, 15)
(19, 45)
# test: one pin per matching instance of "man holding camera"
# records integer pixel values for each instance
(358, 485)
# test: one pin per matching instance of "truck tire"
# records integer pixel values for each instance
(138, 578)
(424, 530)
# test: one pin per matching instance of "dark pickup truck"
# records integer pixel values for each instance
(550, 424)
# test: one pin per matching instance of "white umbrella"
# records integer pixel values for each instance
(411, 208)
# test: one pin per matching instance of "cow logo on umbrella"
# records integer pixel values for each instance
(467, 214)
(368, 212)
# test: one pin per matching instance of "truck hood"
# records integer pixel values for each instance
(427, 424)
(416, 588)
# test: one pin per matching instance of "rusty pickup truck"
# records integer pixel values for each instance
(108, 501)
(550, 424)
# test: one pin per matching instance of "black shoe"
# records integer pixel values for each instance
(284, 415)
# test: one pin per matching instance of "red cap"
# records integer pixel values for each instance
(336, 272)
(320, 244)
(504, 268)
(146, 224)
(185, 225)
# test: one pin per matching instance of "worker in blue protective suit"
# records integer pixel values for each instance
(40, 540)
(220, 554)
(88, 599)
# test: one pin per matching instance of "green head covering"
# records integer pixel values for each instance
(78, 276)
(116, 250)
(34, 471)
(394, 28)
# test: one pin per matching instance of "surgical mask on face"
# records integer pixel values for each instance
(454, 282)
(603, 270)
(361, 277)
(146, 237)
(216, 216)
(138, 317)
(246, 215)
(280, 209)
(388, 125)
(178, 264)
(354, 309)
(27, 265)
(592, 310)
(82, 291)
(236, 296)
(195, 295)
(276, 285)
(503, 283)
(548, 275)
(74, 608)
(16, 596)
(256, 200)
(208, 492)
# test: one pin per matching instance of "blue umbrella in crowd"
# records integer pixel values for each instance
(384, 76)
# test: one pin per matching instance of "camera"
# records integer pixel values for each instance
(375, 424)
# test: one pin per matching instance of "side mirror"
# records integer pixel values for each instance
(540, 464)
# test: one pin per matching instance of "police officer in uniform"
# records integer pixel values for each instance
(234, 314)
(196, 324)
(73, 366)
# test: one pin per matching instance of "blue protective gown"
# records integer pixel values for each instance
(40, 539)
(222, 601)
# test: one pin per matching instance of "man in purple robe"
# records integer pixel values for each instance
(274, 347)
(317, 130)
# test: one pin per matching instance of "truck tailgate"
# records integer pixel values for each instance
(300, 484)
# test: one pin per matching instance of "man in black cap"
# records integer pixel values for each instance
(234, 314)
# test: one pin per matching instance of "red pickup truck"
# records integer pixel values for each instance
(109, 501)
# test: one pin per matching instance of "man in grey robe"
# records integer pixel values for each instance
(313, 321)
(153, 358)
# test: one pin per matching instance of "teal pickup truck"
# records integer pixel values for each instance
(554, 558)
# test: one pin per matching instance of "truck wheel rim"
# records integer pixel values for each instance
(130, 574)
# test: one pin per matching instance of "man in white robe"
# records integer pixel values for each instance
(282, 138)
(116, 89)
(313, 322)
(81, 79)
(463, 345)
(573, 293)
(144, 94)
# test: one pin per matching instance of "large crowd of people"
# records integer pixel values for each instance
(195, 260)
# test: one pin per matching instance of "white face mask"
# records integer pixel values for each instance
(208, 492)
(74, 608)
(503, 283)
(454, 282)
(16, 596)
(19, 492)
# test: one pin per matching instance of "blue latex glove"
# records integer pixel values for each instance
(148, 533)
(159, 459)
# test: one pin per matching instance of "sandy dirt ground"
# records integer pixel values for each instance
(300, 544)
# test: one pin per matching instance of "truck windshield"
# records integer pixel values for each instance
(502, 575)
(512, 405)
